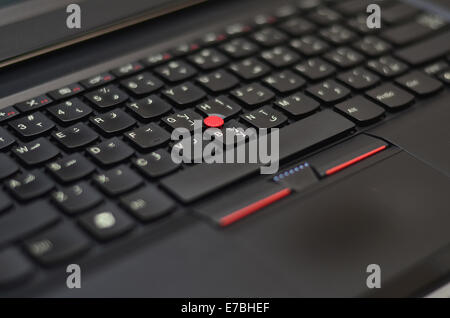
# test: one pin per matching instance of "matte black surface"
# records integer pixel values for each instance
(313, 243)
(423, 131)
(31, 27)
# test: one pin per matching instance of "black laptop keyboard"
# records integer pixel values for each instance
(89, 163)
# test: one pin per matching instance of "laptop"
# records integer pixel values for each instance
(338, 187)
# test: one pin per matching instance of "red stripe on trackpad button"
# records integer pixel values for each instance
(252, 208)
(235, 203)
(354, 160)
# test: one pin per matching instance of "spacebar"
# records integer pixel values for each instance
(198, 181)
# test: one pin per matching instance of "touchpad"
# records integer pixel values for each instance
(392, 214)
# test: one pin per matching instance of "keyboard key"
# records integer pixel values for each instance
(372, 46)
(76, 198)
(5, 202)
(315, 69)
(236, 131)
(67, 91)
(387, 66)
(329, 92)
(415, 30)
(184, 95)
(391, 96)
(35, 152)
(359, 78)
(29, 185)
(76, 136)
(314, 129)
(419, 83)
(250, 69)
(280, 56)
(426, 50)
(285, 11)
(185, 48)
(212, 38)
(58, 244)
(253, 95)
(142, 84)
(148, 204)
(445, 76)
(185, 149)
(324, 16)
(155, 164)
(221, 106)
(149, 108)
(157, 59)
(307, 5)
(148, 136)
(236, 29)
(6, 139)
(264, 117)
(32, 125)
(8, 113)
(269, 37)
(208, 59)
(97, 80)
(113, 122)
(15, 267)
(284, 82)
(110, 151)
(33, 103)
(263, 19)
(184, 119)
(107, 96)
(359, 24)
(352, 7)
(117, 180)
(297, 26)
(239, 48)
(176, 71)
(127, 69)
(70, 111)
(26, 220)
(71, 168)
(298, 105)
(436, 67)
(218, 81)
(337, 34)
(398, 13)
(344, 57)
(309, 45)
(106, 223)
(360, 110)
(7, 166)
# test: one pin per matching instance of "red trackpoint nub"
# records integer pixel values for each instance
(213, 122)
